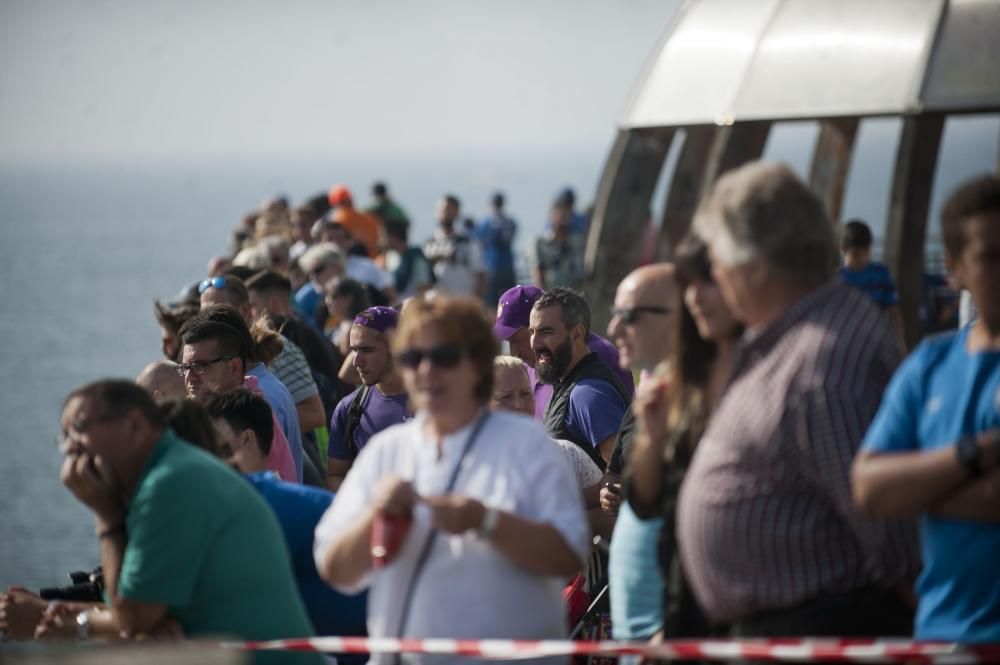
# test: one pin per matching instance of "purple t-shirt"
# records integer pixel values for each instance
(595, 410)
(607, 352)
(379, 412)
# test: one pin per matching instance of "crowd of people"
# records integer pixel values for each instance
(341, 439)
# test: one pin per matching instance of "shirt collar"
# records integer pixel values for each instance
(766, 336)
(453, 443)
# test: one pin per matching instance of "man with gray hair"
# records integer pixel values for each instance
(321, 263)
(769, 536)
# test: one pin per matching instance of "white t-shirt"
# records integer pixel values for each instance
(362, 269)
(456, 261)
(586, 471)
(468, 589)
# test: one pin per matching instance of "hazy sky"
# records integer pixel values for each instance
(123, 79)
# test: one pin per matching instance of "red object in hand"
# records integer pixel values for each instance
(388, 534)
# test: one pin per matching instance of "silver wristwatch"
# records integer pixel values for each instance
(489, 524)
(83, 625)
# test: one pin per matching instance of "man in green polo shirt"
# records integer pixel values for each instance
(184, 539)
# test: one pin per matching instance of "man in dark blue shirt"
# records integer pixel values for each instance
(859, 271)
(496, 234)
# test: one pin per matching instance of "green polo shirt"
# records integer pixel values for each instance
(205, 544)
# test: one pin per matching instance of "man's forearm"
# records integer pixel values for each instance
(112, 543)
(535, 547)
(906, 484)
(979, 501)
(311, 413)
(645, 477)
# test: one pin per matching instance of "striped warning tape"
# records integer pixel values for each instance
(807, 650)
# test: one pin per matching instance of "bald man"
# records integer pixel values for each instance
(162, 381)
(644, 317)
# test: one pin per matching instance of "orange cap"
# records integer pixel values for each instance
(339, 195)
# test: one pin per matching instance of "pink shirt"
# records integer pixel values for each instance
(279, 459)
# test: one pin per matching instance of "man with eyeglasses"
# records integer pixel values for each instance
(290, 365)
(291, 369)
(588, 402)
(379, 403)
(214, 361)
(513, 311)
(185, 542)
(642, 326)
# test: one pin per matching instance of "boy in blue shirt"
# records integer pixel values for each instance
(861, 272)
(243, 422)
(933, 450)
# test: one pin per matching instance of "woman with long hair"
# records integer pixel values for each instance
(672, 412)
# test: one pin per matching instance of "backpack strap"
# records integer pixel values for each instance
(354, 413)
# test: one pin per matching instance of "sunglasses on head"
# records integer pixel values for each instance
(630, 315)
(445, 356)
(211, 283)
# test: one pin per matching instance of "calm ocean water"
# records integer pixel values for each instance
(85, 249)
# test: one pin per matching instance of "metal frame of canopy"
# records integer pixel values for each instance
(727, 70)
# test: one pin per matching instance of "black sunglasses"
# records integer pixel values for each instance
(445, 356)
(630, 315)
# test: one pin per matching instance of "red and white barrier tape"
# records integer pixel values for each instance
(789, 651)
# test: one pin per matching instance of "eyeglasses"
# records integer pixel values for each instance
(81, 427)
(211, 283)
(630, 315)
(199, 366)
(445, 356)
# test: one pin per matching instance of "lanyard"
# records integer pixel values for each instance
(429, 543)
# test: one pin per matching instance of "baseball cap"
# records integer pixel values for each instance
(339, 195)
(378, 318)
(513, 310)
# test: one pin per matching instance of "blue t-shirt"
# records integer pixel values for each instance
(379, 412)
(306, 300)
(496, 235)
(283, 405)
(595, 410)
(299, 509)
(940, 394)
(875, 280)
(635, 582)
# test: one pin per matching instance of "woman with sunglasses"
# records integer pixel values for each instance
(671, 415)
(487, 513)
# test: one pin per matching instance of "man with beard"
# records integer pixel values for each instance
(588, 402)
(513, 312)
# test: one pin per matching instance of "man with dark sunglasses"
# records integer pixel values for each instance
(588, 402)
(643, 320)
(379, 403)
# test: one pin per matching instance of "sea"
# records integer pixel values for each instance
(87, 245)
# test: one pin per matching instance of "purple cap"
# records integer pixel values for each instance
(513, 310)
(378, 318)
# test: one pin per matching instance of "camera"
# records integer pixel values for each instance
(83, 587)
